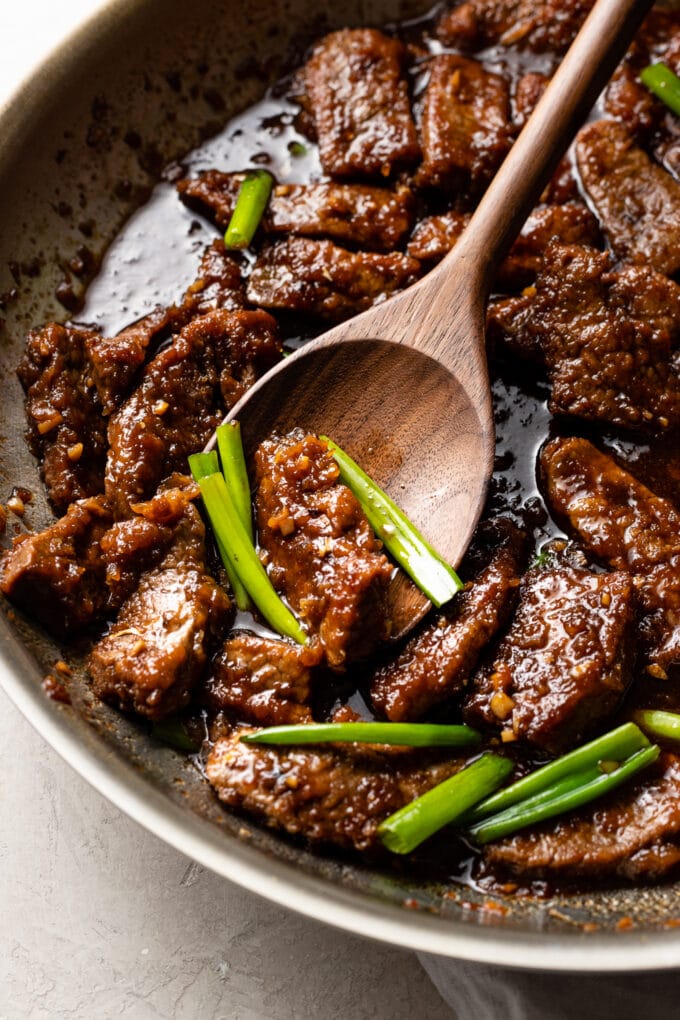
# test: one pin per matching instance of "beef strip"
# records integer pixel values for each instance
(571, 223)
(623, 523)
(356, 214)
(358, 96)
(528, 90)
(74, 378)
(609, 339)
(318, 278)
(632, 834)
(436, 663)
(184, 393)
(538, 25)
(321, 551)
(466, 129)
(156, 651)
(58, 575)
(263, 681)
(337, 795)
(637, 201)
(565, 663)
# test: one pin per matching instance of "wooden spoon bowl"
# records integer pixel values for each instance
(403, 387)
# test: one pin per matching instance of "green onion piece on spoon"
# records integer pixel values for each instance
(235, 472)
(426, 568)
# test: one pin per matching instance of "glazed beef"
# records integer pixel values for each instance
(358, 97)
(466, 130)
(435, 665)
(623, 523)
(263, 681)
(184, 393)
(321, 552)
(318, 278)
(66, 429)
(337, 796)
(571, 223)
(637, 201)
(157, 650)
(609, 339)
(357, 214)
(528, 91)
(634, 835)
(538, 25)
(58, 575)
(565, 663)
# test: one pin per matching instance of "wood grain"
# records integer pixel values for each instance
(404, 387)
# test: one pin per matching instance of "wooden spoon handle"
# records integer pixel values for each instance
(530, 163)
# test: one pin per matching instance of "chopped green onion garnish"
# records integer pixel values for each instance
(572, 792)
(660, 725)
(401, 538)
(244, 559)
(173, 733)
(234, 470)
(660, 80)
(250, 205)
(403, 831)
(403, 734)
(617, 745)
(297, 149)
(201, 465)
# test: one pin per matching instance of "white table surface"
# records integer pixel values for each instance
(100, 919)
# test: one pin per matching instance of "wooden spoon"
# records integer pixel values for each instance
(404, 386)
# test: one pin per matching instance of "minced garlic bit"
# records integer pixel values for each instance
(16, 505)
(160, 407)
(508, 736)
(501, 705)
(658, 672)
(50, 423)
(75, 452)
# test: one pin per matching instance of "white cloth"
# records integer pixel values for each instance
(478, 992)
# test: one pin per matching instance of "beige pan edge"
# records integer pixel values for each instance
(284, 884)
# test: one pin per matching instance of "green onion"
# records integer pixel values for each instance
(173, 733)
(234, 470)
(660, 725)
(572, 792)
(297, 149)
(250, 206)
(660, 80)
(404, 734)
(409, 548)
(244, 559)
(445, 803)
(616, 745)
(201, 466)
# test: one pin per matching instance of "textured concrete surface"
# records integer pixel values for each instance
(100, 919)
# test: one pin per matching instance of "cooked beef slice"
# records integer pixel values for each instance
(538, 25)
(571, 223)
(358, 96)
(466, 130)
(628, 527)
(528, 90)
(74, 378)
(184, 393)
(66, 430)
(626, 99)
(357, 214)
(565, 663)
(436, 663)
(319, 278)
(338, 795)
(633, 834)
(135, 545)
(322, 554)
(157, 650)
(58, 575)
(263, 681)
(507, 326)
(637, 201)
(609, 339)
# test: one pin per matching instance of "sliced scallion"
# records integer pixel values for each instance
(664, 83)
(399, 734)
(658, 724)
(574, 791)
(244, 559)
(201, 466)
(250, 205)
(444, 804)
(173, 733)
(233, 463)
(426, 568)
